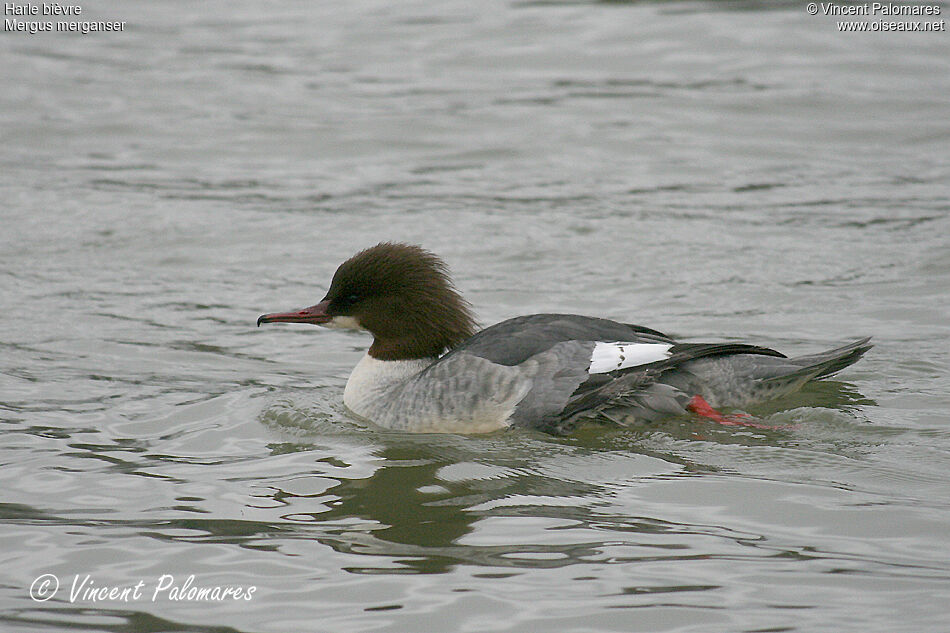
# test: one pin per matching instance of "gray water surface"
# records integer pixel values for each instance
(722, 171)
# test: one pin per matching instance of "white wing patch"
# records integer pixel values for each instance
(609, 357)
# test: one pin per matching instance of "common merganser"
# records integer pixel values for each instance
(429, 371)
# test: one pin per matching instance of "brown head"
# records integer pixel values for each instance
(401, 293)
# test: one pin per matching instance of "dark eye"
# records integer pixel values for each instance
(345, 302)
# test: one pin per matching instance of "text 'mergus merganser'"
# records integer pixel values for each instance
(430, 370)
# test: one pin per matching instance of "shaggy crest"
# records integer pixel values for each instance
(404, 296)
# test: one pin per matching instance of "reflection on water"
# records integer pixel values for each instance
(422, 499)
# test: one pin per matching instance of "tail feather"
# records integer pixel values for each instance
(826, 363)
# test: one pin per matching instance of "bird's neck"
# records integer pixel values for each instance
(372, 380)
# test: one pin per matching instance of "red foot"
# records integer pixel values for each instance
(699, 406)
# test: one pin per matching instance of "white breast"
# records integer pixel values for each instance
(372, 378)
(608, 357)
(461, 394)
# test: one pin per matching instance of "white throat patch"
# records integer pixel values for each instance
(343, 323)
